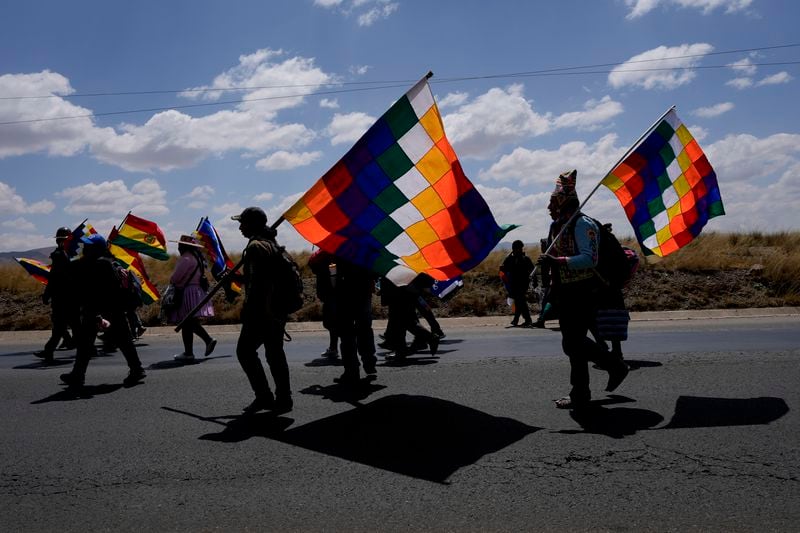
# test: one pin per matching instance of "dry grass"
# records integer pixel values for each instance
(715, 271)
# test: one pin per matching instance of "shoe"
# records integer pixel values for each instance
(210, 347)
(140, 331)
(66, 346)
(616, 376)
(418, 344)
(73, 380)
(527, 325)
(261, 403)
(439, 334)
(538, 324)
(183, 357)
(134, 377)
(514, 324)
(568, 403)
(283, 404)
(330, 354)
(44, 354)
(348, 378)
(434, 344)
(369, 367)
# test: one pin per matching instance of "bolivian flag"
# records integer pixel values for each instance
(141, 236)
(38, 270)
(134, 262)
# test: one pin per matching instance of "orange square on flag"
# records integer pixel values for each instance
(317, 197)
(312, 230)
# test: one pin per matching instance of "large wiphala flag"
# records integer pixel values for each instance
(668, 188)
(398, 202)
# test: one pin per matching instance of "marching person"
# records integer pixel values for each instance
(323, 265)
(59, 293)
(571, 261)
(518, 267)
(189, 278)
(263, 323)
(101, 308)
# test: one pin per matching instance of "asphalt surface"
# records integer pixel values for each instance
(702, 436)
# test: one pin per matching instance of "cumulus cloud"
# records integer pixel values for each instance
(744, 157)
(640, 8)
(379, 12)
(740, 83)
(776, 79)
(204, 192)
(714, 110)
(452, 99)
(636, 71)
(744, 67)
(595, 113)
(145, 197)
(540, 167)
(327, 103)
(20, 224)
(29, 134)
(359, 70)
(348, 128)
(20, 242)
(283, 160)
(367, 12)
(12, 203)
(479, 127)
(264, 197)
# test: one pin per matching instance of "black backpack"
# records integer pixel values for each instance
(129, 288)
(288, 296)
(616, 264)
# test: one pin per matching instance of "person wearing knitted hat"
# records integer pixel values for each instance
(572, 260)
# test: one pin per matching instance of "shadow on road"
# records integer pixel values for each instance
(634, 364)
(699, 412)
(616, 423)
(172, 363)
(417, 436)
(86, 392)
(350, 394)
(324, 361)
(40, 364)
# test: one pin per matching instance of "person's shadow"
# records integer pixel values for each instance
(85, 392)
(172, 363)
(340, 393)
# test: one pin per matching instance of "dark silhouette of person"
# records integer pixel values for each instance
(324, 268)
(60, 294)
(263, 321)
(572, 259)
(402, 311)
(518, 267)
(102, 307)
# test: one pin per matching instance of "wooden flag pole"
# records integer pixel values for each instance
(621, 159)
(220, 284)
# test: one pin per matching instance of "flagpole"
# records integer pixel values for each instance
(621, 159)
(220, 284)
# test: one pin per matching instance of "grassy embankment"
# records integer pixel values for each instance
(715, 271)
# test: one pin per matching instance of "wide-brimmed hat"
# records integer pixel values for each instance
(252, 215)
(188, 240)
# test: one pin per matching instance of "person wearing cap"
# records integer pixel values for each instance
(263, 323)
(571, 262)
(59, 293)
(518, 267)
(189, 278)
(101, 308)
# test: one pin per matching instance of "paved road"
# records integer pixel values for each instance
(703, 435)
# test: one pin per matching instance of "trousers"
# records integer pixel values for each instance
(269, 333)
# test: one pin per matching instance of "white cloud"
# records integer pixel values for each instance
(20, 223)
(541, 167)
(775, 79)
(264, 197)
(283, 160)
(698, 132)
(146, 197)
(452, 99)
(228, 209)
(377, 13)
(642, 7)
(359, 70)
(329, 103)
(743, 67)
(496, 117)
(595, 113)
(22, 242)
(636, 71)
(347, 128)
(54, 137)
(740, 83)
(13, 204)
(714, 110)
(745, 157)
(328, 3)
(204, 192)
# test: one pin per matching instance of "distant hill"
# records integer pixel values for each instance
(40, 254)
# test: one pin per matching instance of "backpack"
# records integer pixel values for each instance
(288, 295)
(616, 264)
(129, 288)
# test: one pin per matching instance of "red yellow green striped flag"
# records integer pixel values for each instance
(133, 261)
(141, 236)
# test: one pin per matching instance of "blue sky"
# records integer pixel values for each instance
(319, 72)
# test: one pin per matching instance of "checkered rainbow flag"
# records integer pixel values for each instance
(668, 188)
(398, 202)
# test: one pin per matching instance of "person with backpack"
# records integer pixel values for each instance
(101, 298)
(517, 268)
(572, 260)
(189, 278)
(263, 313)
